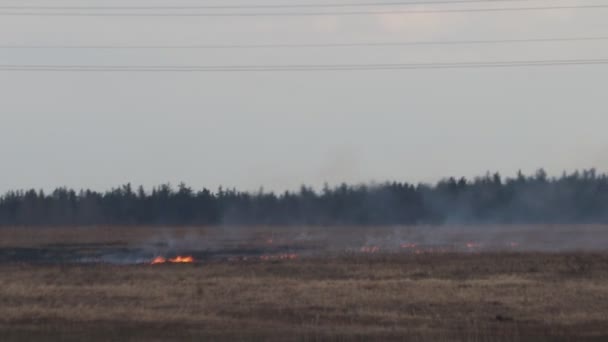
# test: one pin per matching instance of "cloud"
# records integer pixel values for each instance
(326, 24)
(409, 23)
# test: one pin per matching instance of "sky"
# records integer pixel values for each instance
(278, 130)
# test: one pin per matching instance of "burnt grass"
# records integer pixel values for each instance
(63, 284)
(442, 297)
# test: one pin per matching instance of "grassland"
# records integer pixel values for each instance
(488, 296)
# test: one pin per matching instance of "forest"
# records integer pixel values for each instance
(580, 197)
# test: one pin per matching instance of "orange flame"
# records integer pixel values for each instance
(176, 260)
(158, 260)
(182, 260)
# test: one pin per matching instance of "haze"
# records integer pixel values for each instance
(279, 130)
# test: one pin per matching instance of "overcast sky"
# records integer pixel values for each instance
(279, 130)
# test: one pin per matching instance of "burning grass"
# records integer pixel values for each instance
(444, 297)
(304, 284)
(177, 260)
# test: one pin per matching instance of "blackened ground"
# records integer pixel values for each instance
(433, 297)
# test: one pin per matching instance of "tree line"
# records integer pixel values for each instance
(579, 197)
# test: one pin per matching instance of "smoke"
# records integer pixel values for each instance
(270, 244)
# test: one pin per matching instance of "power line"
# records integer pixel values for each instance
(327, 45)
(274, 14)
(267, 6)
(300, 67)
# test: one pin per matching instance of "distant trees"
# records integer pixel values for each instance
(580, 197)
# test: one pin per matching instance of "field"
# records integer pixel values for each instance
(328, 291)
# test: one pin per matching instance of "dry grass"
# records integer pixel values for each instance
(522, 296)
(489, 297)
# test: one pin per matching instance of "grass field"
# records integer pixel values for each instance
(481, 296)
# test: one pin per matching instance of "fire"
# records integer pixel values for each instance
(177, 260)
(158, 260)
(182, 260)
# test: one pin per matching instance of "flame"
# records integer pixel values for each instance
(182, 259)
(158, 260)
(177, 260)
